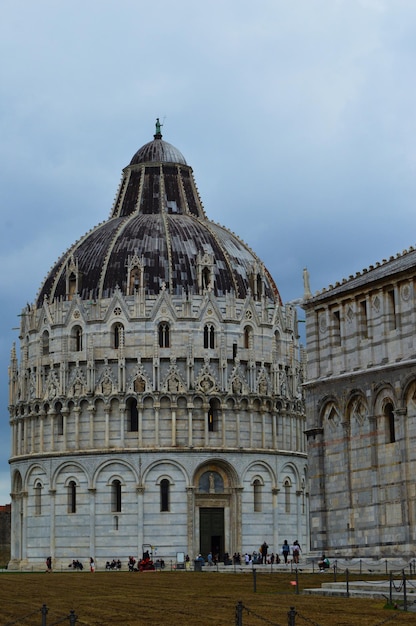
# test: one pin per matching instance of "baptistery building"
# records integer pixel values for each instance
(155, 402)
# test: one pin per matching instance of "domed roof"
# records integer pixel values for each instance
(158, 151)
(158, 226)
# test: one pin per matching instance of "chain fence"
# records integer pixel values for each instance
(70, 617)
(294, 618)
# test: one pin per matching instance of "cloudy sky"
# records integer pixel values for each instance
(297, 116)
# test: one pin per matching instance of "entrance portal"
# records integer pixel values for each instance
(211, 531)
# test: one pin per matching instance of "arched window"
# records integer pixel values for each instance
(277, 344)
(116, 496)
(72, 286)
(213, 415)
(164, 339)
(59, 420)
(206, 278)
(248, 337)
(390, 425)
(209, 336)
(59, 424)
(45, 343)
(72, 497)
(257, 493)
(134, 280)
(38, 498)
(76, 339)
(259, 287)
(118, 335)
(164, 494)
(287, 487)
(17, 483)
(132, 415)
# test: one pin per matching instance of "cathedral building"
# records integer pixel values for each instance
(360, 399)
(155, 402)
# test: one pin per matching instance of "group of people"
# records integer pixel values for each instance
(293, 550)
(262, 556)
(113, 565)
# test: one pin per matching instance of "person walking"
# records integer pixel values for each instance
(296, 550)
(285, 550)
(263, 549)
(92, 565)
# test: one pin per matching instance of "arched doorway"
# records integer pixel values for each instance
(217, 502)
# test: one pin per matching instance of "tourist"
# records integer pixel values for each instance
(323, 564)
(285, 550)
(263, 551)
(296, 550)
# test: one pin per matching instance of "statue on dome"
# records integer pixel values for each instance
(158, 126)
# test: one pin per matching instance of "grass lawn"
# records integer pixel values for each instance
(178, 598)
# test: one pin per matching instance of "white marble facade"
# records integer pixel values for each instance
(172, 419)
(361, 412)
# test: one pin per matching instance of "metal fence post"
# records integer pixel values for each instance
(254, 579)
(391, 588)
(72, 618)
(404, 592)
(44, 611)
(297, 582)
(239, 614)
(291, 616)
(347, 574)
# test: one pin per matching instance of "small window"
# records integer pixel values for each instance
(134, 280)
(363, 320)
(38, 498)
(206, 278)
(45, 343)
(76, 339)
(116, 496)
(59, 424)
(336, 328)
(287, 496)
(390, 425)
(212, 415)
(391, 310)
(257, 489)
(72, 497)
(210, 420)
(259, 288)
(118, 335)
(72, 286)
(132, 415)
(209, 336)
(277, 344)
(59, 420)
(248, 337)
(164, 494)
(164, 339)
